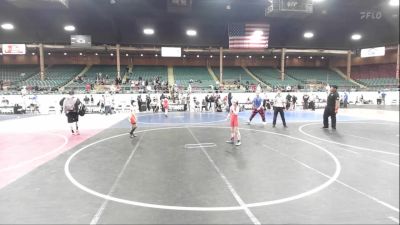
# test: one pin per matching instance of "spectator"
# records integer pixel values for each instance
(86, 99)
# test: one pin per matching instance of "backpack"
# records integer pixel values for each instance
(82, 110)
(69, 104)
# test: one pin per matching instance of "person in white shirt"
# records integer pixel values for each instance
(279, 106)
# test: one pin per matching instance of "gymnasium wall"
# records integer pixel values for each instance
(46, 101)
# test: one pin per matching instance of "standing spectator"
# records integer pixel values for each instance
(107, 104)
(229, 99)
(332, 107)
(288, 101)
(86, 99)
(379, 98)
(313, 100)
(383, 97)
(87, 87)
(294, 100)
(345, 100)
(305, 101)
(212, 103)
(139, 100)
(70, 107)
(148, 101)
(91, 99)
(279, 107)
(208, 102)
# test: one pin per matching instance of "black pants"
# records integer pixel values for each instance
(329, 113)
(280, 111)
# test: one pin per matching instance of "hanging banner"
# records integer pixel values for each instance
(13, 49)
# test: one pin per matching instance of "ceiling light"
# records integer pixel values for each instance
(69, 28)
(299, 57)
(287, 56)
(156, 55)
(65, 53)
(141, 55)
(112, 54)
(211, 56)
(7, 26)
(318, 1)
(197, 56)
(224, 56)
(49, 53)
(249, 56)
(96, 54)
(191, 32)
(237, 56)
(80, 53)
(184, 56)
(356, 37)
(126, 54)
(310, 57)
(394, 2)
(148, 31)
(308, 34)
(322, 57)
(33, 53)
(262, 57)
(275, 57)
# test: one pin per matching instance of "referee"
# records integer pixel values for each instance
(332, 107)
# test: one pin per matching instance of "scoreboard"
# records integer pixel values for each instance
(285, 8)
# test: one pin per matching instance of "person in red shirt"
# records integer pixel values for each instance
(233, 115)
(133, 120)
(165, 105)
(88, 88)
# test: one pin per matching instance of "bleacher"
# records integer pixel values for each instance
(149, 73)
(378, 75)
(318, 75)
(379, 82)
(56, 76)
(231, 74)
(16, 73)
(272, 77)
(199, 76)
(91, 75)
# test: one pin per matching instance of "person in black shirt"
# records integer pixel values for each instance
(305, 101)
(332, 107)
(230, 100)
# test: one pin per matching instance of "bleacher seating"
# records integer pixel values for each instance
(183, 76)
(231, 74)
(318, 75)
(91, 75)
(16, 73)
(149, 73)
(56, 76)
(272, 77)
(377, 75)
(379, 82)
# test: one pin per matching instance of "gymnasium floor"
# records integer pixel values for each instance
(179, 170)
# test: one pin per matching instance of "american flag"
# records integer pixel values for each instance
(248, 35)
